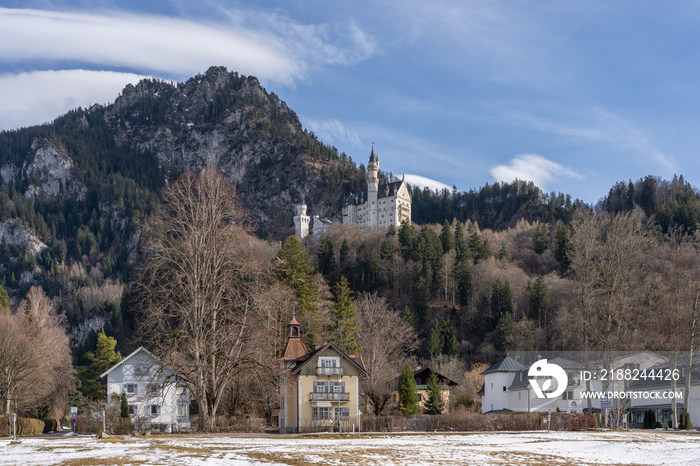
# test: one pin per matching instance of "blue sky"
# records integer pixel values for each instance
(574, 96)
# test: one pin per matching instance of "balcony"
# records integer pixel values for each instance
(325, 396)
(329, 371)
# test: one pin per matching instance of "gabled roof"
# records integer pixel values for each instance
(140, 348)
(418, 373)
(305, 359)
(506, 364)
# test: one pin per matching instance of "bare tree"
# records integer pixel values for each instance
(18, 364)
(386, 341)
(196, 288)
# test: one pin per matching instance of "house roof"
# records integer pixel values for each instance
(140, 348)
(520, 382)
(294, 349)
(306, 358)
(425, 373)
(506, 364)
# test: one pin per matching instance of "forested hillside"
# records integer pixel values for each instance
(476, 274)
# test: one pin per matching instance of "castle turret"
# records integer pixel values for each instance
(372, 187)
(301, 221)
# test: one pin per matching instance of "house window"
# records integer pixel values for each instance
(328, 362)
(320, 387)
(321, 412)
(133, 410)
(337, 387)
(131, 389)
(341, 413)
(154, 410)
(519, 393)
(182, 410)
(504, 388)
(140, 370)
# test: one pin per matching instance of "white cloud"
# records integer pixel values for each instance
(272, 47)
(333, 132)
(423, 182)
(532, 167)
(38, 97)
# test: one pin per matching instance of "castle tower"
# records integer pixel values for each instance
(301, 222)
(372, 187)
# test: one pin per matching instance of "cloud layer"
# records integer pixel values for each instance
(39, 97)
(275, 48)
(532, 167)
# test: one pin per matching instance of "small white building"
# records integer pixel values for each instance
(154, 393)
(507, 388)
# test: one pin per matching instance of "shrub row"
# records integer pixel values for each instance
(480, 422)
(29, 426)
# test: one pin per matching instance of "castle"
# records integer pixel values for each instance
(381, 205)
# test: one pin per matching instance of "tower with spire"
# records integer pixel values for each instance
(381, 205)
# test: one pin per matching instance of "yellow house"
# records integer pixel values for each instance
(319, 390)
(421, 376)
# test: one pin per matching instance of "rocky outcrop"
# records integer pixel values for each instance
(14, 234)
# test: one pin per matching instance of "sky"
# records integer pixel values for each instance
(574, 96)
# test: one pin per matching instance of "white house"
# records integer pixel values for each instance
(507, 388)
(153, 392)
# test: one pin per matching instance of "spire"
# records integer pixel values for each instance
(373, 157)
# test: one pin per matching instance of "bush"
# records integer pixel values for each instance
(4, 426)
(50, 425)
(123, 426)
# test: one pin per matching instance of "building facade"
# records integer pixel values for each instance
(319, 390)
(303, 225)
(381, 205)
(154, 395)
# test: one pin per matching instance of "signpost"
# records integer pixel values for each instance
(12, 417)
(74, 415)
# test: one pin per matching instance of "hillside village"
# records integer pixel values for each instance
(235, 312)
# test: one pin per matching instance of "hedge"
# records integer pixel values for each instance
(29, 426)
(50, 425)
(4, 426)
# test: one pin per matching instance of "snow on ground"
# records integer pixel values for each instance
(548, 448)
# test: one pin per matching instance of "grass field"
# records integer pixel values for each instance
(541, 448)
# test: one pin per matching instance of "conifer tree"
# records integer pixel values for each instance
(446, 237)
(344, 318)
(408, 397)
(295, 270)
(4, 301)
(434, 404)
(541, 239)
(101, 360)
(326, 260)
(124, 408)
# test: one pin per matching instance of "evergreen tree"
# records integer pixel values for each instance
(434, 404)
(539, 300)
(505, 332)
(541, 239)
(409, 401)
(4, 301)
(408, 239)
(501, 299)
(460, 245)
(344, 324)
(563, 247)
(294, 269)
(101, 360)
(446, 237)
(326, 260)
(464, 285)
(124, 408)
(388, 248)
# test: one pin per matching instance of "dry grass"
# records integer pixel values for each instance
(102, 462)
